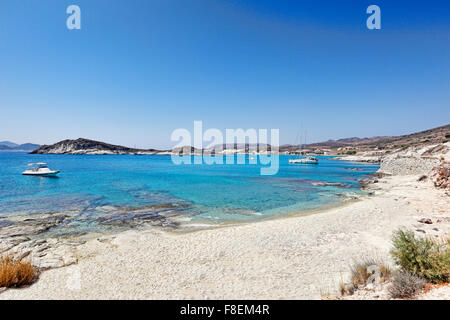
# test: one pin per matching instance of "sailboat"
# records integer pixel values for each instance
(304, 160)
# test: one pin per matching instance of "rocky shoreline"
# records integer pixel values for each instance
(36, 236)
(360, 158)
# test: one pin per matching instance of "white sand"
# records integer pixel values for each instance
(299, 257)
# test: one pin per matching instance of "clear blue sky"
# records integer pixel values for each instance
(139, 69)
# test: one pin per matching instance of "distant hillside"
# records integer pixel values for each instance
(8, 144)
(2, 147)
(27, 146)
(86, 146)
(427, 137)
(379, 143)
(348, 141)
(11, 146)
(431, 136)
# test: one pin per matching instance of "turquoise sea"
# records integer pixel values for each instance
(91, 187)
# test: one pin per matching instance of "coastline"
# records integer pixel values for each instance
(294, 257)
(322, 209)
(206, 227)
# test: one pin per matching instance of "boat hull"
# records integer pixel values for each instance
(41, 174)
(303, 162)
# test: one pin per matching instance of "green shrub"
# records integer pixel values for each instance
(405, 285)
(421, 256)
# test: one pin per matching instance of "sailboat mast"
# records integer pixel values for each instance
(305, 135)
(300, 145)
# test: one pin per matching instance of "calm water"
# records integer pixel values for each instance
(195, 194)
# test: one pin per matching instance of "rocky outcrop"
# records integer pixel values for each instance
(86, 146)
(415, 160)
(401, 165)
(419, 160)
(48, 241)
(22, 239)
(441, 176)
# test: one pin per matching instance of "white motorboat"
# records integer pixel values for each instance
(307, 160)
(40, 169)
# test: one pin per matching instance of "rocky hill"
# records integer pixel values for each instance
(427, 137)
(417, 153)
(348, 142)
(86, 146)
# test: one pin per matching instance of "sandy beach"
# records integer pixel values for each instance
(300, 257)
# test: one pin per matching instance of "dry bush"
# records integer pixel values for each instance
(405, 285)
(346, 289)
(360, 273)
(16, 273)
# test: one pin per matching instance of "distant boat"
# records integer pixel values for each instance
(40, 169)
(304, 160)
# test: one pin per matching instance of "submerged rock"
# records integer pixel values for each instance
(365, 183)
(134, 218)
(333, 184)
(354, 169)
(5, 223)
(347, 196)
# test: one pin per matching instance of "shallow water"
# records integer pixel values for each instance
(106, 187)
